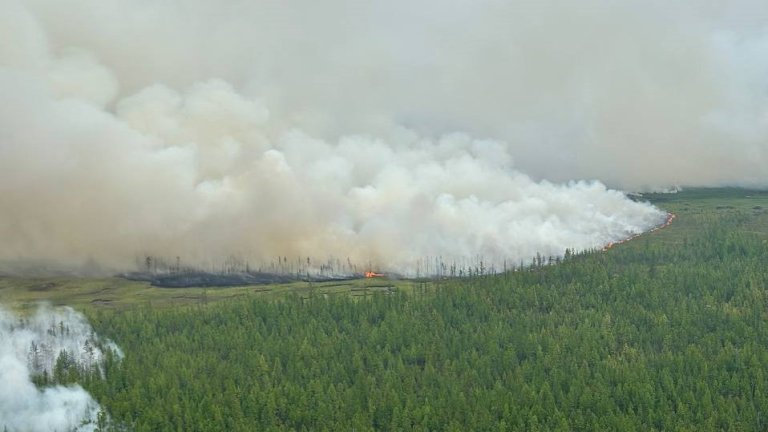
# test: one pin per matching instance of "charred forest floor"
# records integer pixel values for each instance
(691, 206)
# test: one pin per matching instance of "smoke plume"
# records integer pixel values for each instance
(379, 132)
(31, 345)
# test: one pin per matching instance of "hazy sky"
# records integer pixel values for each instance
(348, 128)
(632, 93)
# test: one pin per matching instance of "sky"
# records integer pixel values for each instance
(376, 131)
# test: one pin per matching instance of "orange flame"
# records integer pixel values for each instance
(670, 218)
(370, 274)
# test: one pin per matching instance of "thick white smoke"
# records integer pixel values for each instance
(30, 345)
(204, 129)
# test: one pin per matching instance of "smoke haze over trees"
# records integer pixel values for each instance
(49, 346)
(383, 133)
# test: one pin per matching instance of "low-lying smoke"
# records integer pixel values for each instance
(31, 345)
(263, 129)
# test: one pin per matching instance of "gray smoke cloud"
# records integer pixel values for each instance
(30, 345)
(380, 132)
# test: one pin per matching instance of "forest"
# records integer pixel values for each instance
(666, 332)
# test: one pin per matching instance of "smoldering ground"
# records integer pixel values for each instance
(379, 132)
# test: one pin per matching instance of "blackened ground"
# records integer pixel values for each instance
(205, 279)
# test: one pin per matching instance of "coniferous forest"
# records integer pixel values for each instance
(663, 333)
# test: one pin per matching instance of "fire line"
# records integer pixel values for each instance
(670, 218)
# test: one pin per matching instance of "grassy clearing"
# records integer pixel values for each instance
(118, 293)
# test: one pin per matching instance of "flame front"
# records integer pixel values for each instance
(670, 218)
(370, 274)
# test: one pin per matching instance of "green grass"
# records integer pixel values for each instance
(692, 207)
(118, 293)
